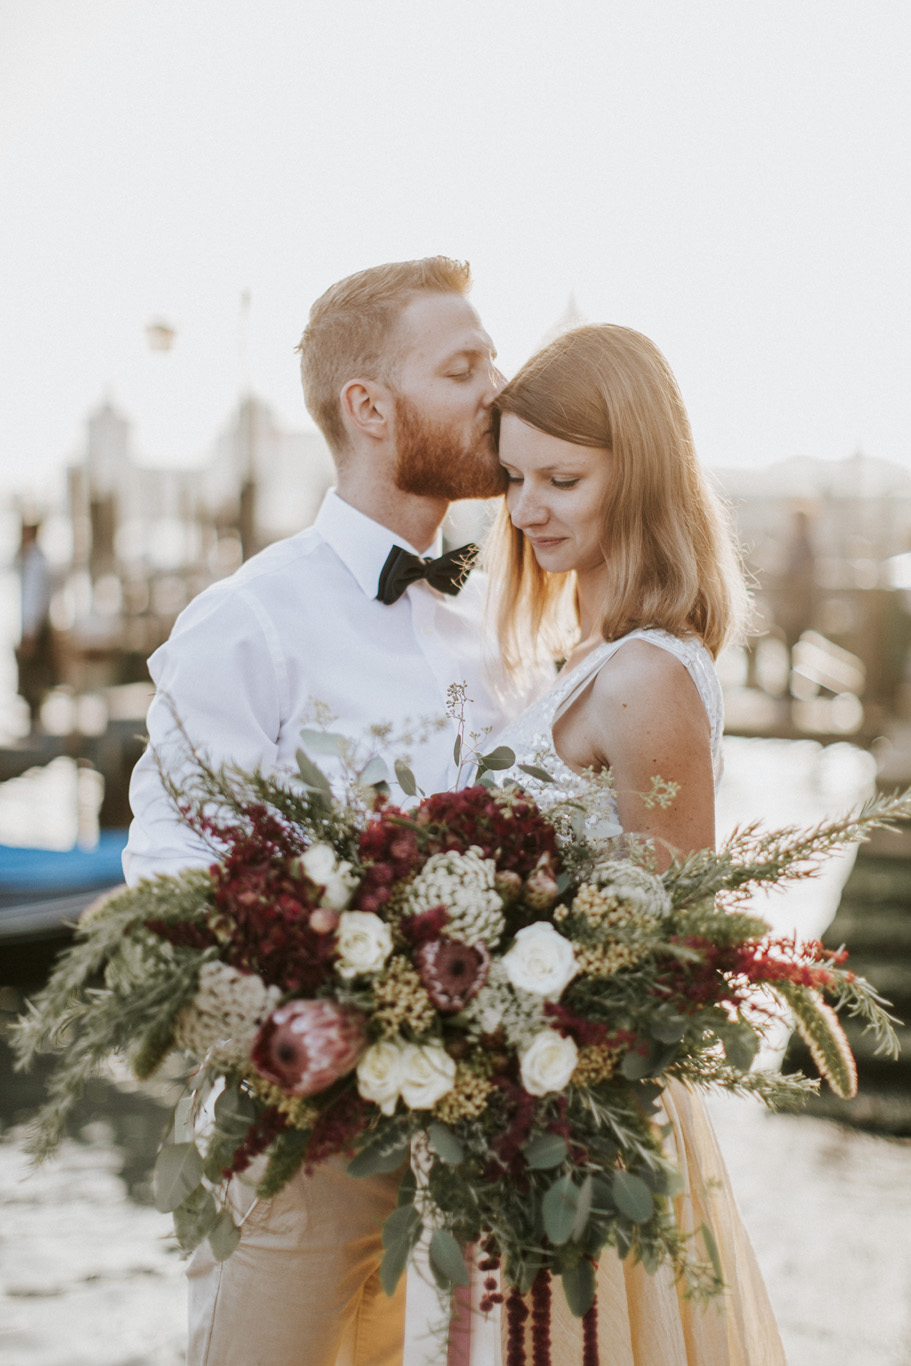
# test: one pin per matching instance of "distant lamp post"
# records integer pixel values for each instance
(160, 335)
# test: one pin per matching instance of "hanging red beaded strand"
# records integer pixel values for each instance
(492, 1295)
(540, 1319)
(516, 1314)
(590, 1335)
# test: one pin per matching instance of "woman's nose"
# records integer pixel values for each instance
(525, 507)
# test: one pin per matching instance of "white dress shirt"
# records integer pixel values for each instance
(298, 623)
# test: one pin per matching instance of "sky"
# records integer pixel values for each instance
(732, 180)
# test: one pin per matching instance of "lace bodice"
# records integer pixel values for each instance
(530, 736)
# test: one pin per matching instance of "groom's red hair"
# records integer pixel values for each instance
(350, 332)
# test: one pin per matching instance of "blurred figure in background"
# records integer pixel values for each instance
(797, 599)
(34, 653)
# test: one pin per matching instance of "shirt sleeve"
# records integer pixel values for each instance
(217, 679)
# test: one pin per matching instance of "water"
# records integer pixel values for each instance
(89, 1277)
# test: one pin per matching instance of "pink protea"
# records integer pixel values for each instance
(452, 972)
(305, 1046)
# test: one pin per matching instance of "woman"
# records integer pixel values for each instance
(613, 552)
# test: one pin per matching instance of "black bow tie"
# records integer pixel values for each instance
(447, 574)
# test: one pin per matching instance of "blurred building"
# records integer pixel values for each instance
(823, 540)
(146, 539)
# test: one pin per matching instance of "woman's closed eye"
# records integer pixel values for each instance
(567, 483)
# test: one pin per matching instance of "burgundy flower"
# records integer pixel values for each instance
(452, 972)
(305, 1046)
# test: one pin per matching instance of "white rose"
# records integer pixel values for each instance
(541, 961)
(428, 1073)
(379, 1074)
(321, 866)
(364, 942)
(547, 1063)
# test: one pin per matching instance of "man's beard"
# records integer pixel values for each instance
(432, 461)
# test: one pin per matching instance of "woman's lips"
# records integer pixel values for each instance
(545, 542)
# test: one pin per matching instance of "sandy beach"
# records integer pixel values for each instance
(91, 1279)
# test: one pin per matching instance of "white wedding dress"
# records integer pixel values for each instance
(642, 1319)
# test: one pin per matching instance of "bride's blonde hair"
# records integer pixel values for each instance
(667, 541)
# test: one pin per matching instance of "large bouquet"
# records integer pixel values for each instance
(497, 992)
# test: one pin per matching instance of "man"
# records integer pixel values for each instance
(400, 376)
(35, 651)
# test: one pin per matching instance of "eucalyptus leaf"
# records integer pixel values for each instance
(234, 1112)
(183, 1123)
(635, 1064)
(377, 1158)
(668, 1029)
(321, 741)
(740, 1046)
(602, 1197)
(223, 1236)
(445, 1144)
(178, 1171)
(650, 1094)
(579, 1287)
(407, 1187)
(446, 1258)
(559, 1208)
(457, 749)
(528, 1275)
(533, 771)
(544, 1151)
(377, 771)
(632, 1197)
(403, 1222)
(395, 1259)
(406, 779)
(312, 777)
(501, 757)
(583, 1209)
(194, 1218)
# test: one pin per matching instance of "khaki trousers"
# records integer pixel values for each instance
(302, 1286)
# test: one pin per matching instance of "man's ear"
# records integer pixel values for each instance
(367, 408)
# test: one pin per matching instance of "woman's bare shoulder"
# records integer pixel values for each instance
(638, 670)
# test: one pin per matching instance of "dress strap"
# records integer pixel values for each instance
(691, 653)
(578, 678)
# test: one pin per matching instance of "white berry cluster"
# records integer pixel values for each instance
(223, 1018)
(464, 884)
(501, 1006)
(635, 887)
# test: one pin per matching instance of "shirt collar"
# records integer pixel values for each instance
(361, 544)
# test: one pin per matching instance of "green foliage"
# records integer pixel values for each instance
(90, 1023)
(446, 1258)
(545, 1151)
(178, 1171)
(401, 1232)
(287, 1155)
(579, 1286)
(445, 1144)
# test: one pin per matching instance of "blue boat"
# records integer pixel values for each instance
(43, 891)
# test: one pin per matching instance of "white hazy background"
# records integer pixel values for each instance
(731, 179)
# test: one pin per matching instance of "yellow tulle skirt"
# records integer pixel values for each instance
(644, 1320)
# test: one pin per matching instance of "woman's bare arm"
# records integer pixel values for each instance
(643, 718)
